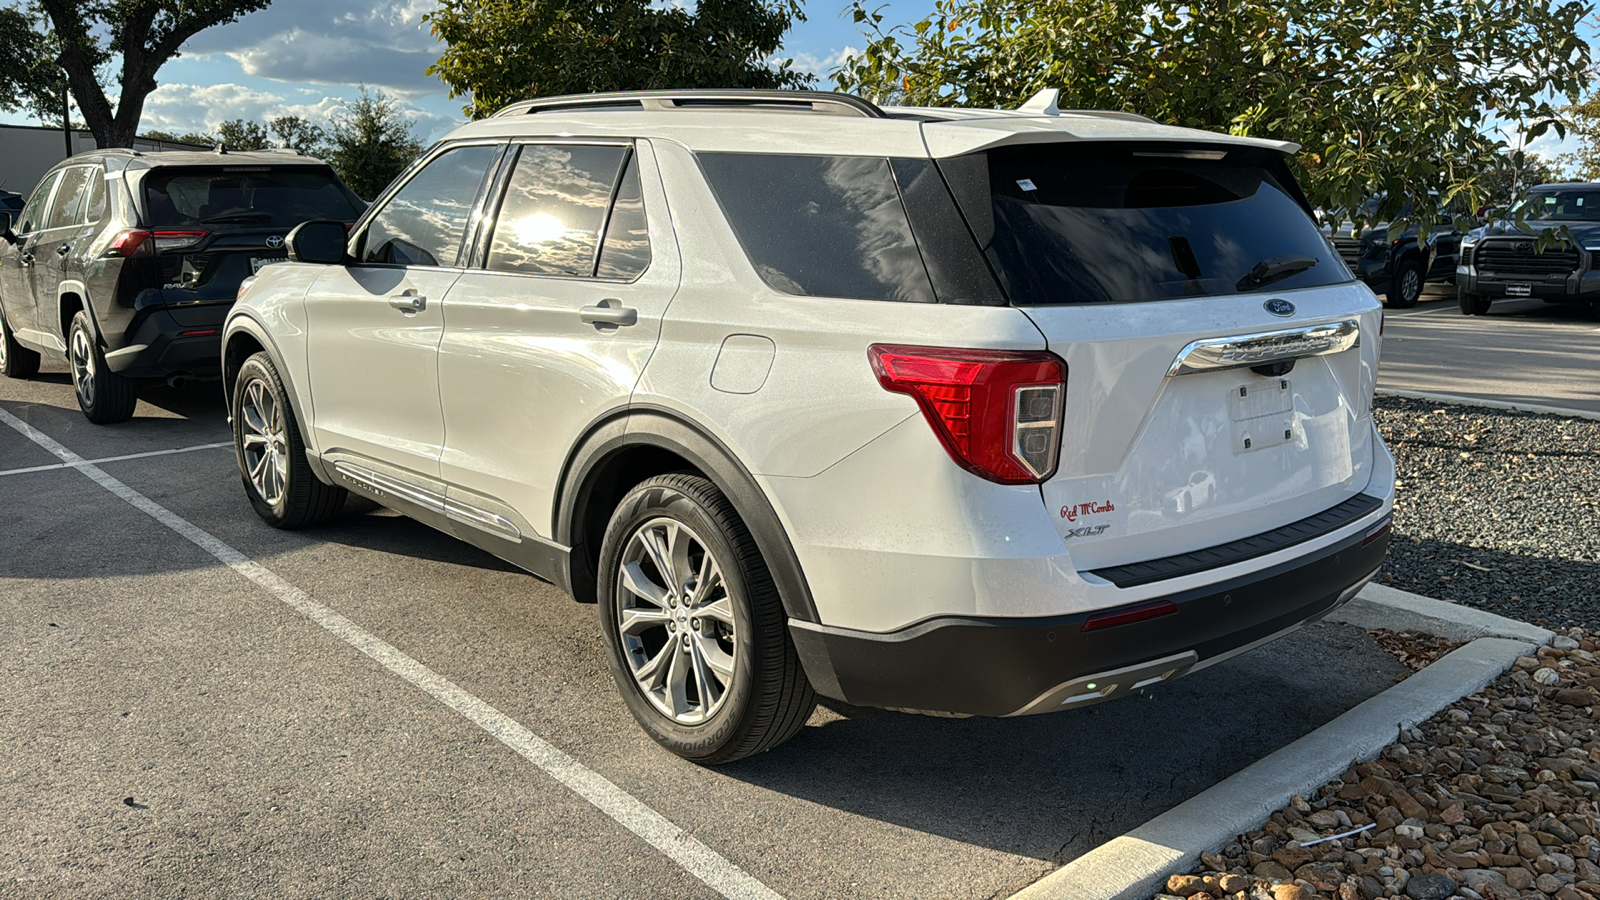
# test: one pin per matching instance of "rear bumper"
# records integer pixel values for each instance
(173, 342)
(992, 666)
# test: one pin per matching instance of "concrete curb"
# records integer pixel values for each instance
(1491, 404)
(1137, 864)
(1378, 606)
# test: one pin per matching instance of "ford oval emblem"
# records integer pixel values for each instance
(275, 242)
(1279, 307)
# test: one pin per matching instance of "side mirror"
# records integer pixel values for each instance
(319, 242)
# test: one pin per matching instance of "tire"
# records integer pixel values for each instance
(271, 454)
(16, 361)
(1405, 285)
(105, 397)
(1473, 304)
(737, 623)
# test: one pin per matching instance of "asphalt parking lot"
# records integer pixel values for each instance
(173, 728)
(1523, 351)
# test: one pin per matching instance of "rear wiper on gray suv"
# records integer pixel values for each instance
(236, 217)
(1275, 268)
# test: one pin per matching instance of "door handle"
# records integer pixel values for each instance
(609, 315)
(25, 257)
(408, 301)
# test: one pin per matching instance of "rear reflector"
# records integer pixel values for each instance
(1129, 616)
(198, 333)
(1378, 530)
(997, 412)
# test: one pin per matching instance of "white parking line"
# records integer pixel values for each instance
(107, 459)
(1417, 312)
(682, 848)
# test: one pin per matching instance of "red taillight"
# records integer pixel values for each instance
(997, 412)
(140, 242)
(1129, 616)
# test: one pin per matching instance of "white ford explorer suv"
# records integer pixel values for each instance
(964, 412)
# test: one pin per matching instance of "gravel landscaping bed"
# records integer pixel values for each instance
(1491, 799)
(1496, 509)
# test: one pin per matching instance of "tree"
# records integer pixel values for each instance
(298, 134)
(1388, 98)
(1584, 163)
(502, 52)
(238, 134)
(133, 37)
(371, 143)
(29, 78)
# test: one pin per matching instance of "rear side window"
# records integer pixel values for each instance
(69, 198)
(424, 222)
(1118, 222)
(282, 196)
(821, 226)
(554, 208)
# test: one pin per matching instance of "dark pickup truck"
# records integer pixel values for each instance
(1397, 267)
(1505, 260)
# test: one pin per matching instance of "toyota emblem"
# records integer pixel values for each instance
(275, 242)
(1524, 246)
(1279, 307)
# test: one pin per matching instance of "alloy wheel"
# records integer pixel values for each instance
(83, 375)
(676, 621)
(264, 442)
(1411, 286)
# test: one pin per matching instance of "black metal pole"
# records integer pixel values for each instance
(66, 111)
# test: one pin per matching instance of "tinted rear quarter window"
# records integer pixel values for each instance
(1113, 223)
(821, 226)
(282, 196)
(68, 204)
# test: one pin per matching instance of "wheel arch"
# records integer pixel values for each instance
(71, 297)
(633, 444)
(244, 337)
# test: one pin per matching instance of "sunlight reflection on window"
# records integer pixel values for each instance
(539, 228)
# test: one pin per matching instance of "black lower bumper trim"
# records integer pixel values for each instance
(999, 666)
(1309, 528)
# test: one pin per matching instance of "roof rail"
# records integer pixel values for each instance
(118, 151)
(820, 102)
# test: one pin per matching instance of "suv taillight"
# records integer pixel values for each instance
(997, 412)
(139, 242)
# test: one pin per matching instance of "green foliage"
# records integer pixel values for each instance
(1584, 163)
(371, 143)
(238, 134)
(1387, 97)
(127, 41)
(298, 134)
(500, 52)
(29, 78)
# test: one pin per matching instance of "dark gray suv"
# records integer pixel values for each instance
(126, 263)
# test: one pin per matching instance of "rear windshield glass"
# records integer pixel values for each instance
(1114, 223)
(263, 195)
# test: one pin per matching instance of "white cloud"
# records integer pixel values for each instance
(183, 108)
(342, 42)
(819, 66)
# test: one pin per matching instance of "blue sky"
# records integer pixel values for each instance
(307, 57)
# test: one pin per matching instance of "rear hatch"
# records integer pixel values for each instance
(214, 226)
(1220, 360)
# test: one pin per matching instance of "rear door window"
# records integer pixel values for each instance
(68, 204)
(424, 222)
(1117, 222)
(554, 209)
(821, 226)
(274, 196)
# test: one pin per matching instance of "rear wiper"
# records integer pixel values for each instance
(237, 217)
(1275, 268)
